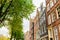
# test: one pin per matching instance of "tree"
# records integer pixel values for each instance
(16, 26)
(14, 11)
(23, 7)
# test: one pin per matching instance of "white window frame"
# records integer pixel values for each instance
(48, 7)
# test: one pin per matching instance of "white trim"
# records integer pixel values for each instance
(43, 36)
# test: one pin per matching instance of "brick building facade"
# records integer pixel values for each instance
(26, 36)
(34, 27)
(31, 29)
(53, 19)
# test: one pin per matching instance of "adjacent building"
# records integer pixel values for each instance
(31, 29)
(26, 36)
(34, 27)
(43, 27)
(53, 19)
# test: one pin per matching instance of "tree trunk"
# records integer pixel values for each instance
(11, 36)
(11, 33)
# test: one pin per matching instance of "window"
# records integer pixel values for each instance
(48, 8)
(55, 33)
(45, 28)
(53, 17)
(50, 33)
(32, 24)
(51, 39)
(51, 3)
(59, 27)
(49, 19)
(42, 29)
(40, 32)
(44, 17)
(37, 35)
(55, 1)
(58, 9)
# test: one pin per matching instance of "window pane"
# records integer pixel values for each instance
(55, 1)
(53, 17)
(49, 20)
(51, 3)
(59, 27)
(55, 33)
(58, 9)
(48, 8)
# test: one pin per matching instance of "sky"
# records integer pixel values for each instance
(4, 31)
(26, 22)
(26, 25)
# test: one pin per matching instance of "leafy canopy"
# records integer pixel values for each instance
(14, 11)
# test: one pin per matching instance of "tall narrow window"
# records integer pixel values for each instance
(40, 30)
(50, 34)
(48, 8)
(33, 30)
(55, 1)
(55, 33)
(51, 3)
(44, 28)
(49, 19)
(59, 27)
(53, 17)
(58, 9)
